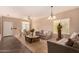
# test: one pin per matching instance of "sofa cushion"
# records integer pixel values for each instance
(77, 37)
(63, 41)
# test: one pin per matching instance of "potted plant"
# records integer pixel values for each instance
(32, 31)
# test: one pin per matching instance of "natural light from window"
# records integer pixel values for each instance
(65, 25)
(25, 26)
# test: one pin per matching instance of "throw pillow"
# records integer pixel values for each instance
(70, 42)
(77, 38)
(74, 36)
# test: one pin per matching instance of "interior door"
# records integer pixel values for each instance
(7, 28)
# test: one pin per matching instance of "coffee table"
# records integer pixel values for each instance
(31, 39)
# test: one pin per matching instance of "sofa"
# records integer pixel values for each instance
(58, 48)
(44, 34)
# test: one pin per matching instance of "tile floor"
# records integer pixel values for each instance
(10, 44)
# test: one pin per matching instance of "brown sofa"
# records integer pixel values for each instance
(57, 48)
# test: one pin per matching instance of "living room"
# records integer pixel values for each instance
(34, 20)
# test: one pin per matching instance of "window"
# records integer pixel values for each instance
(25, 25)
(64, 23)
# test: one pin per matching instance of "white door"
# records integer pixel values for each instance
(7, 28)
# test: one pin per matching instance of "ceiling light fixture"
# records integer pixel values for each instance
(51, 16)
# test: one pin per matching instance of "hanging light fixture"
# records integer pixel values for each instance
(51, 16)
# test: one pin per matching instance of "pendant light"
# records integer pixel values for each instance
(51, 15)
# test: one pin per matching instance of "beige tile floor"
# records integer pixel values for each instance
(36, 47)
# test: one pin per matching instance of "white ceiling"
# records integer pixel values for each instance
(34, 11)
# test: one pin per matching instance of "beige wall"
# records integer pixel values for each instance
(16, 23)
(45, 24)
(42, 24)
(74, 19)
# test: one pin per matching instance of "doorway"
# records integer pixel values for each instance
(7, 28)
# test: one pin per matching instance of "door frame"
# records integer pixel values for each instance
(7, 31)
